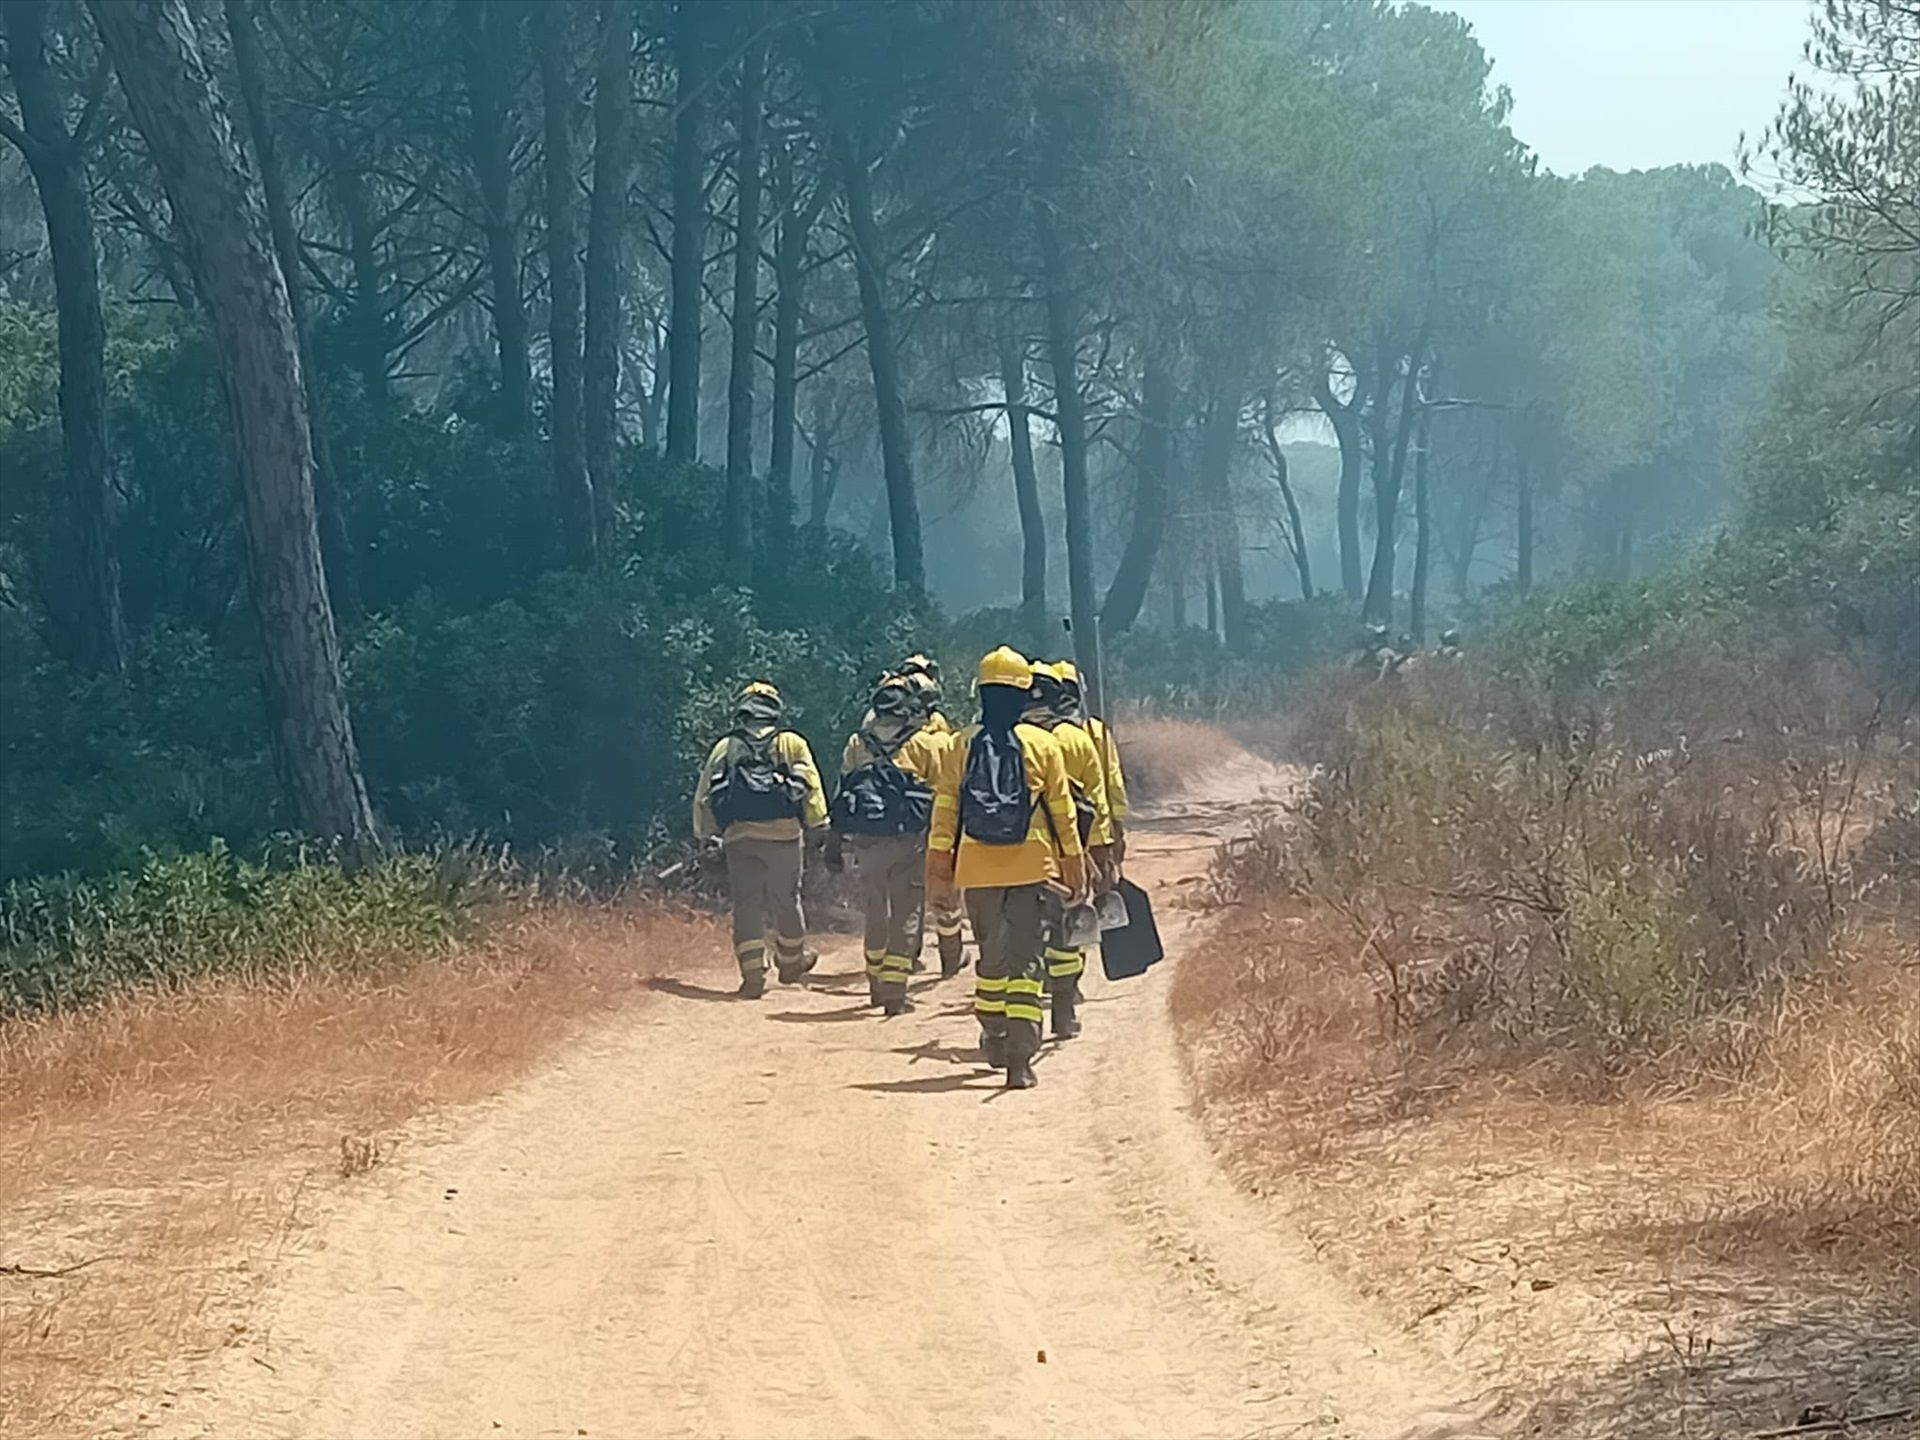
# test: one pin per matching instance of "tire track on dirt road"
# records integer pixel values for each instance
(794, 1219)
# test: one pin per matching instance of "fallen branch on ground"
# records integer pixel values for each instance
(1827, 1427)
(31, 1272)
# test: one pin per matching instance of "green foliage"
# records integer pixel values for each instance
(1192, 673)
(172, 920)
(99, 770)
(491, 694)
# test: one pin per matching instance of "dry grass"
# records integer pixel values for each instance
(1164, 757)
(1733, 1251)
(1582, 1021)
(168, 1143)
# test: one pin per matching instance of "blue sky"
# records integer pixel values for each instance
(1637, 83)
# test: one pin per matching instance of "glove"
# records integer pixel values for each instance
(1106, 866)
(1073, 875)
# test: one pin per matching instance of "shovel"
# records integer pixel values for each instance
(1131, 949)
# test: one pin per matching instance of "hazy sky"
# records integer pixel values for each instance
(1637, 83)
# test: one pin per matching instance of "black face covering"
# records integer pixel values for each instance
(757, 712)
(1001, 707)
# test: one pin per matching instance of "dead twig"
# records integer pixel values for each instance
(32, 1272)
(1827, 1427)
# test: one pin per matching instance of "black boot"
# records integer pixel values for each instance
(1066, 1014)
(753, 986)
(791, 971)
(993, 1049)
(898, 1005)
(873, 991)
(953, 956)
(1020, 1075)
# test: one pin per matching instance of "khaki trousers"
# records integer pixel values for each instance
(1010, 927)
(763, 879)
(892, 874)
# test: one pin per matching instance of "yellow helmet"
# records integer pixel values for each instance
(920, 663)
(760, 687)
(1066, 672)
(1006, 666)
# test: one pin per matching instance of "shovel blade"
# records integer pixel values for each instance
(1135, 946)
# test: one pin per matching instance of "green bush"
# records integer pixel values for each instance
(172, 920)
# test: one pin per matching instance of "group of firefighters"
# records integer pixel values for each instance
(1014, 822)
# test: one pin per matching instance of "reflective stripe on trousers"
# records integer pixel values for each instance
(1009, 925)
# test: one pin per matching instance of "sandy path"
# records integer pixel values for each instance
(794, 1219)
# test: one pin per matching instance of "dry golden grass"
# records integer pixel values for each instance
(167, 1143)
(1164, 757)
(1589, 1252)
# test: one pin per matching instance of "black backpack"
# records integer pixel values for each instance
(753, 781)
(1084, 813)
(996, 807)
(882, 797)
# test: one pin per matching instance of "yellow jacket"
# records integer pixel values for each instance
(1085, 775)
(1116, 778)
(1054, 828)
(798, 754)
(936, 724)
(919, 755)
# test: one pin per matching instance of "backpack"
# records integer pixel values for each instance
(882, 797)
(1084, 813)
(753, 781)
(996, 807)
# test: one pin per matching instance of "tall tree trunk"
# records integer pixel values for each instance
(653, 396)
(178, 110)
(1152, 465)
(606, 240)
(335, 546)
(1389, 477)
(573, 489)
(689, 234)
(1219, 431)
(56, 158)
(1346, 430)
(789, 271)
(367, 309)
(896, 445)
(1489, 485)
(1296, 529)
(821, 468)
(1523, 522)
(490, 140)
(1026, 490)
(746, 309)
(1070, 422)
(1422, 526)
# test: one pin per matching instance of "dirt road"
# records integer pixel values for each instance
(795, 1219)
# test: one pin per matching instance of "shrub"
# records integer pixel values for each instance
(171, 920)
(1587, 852)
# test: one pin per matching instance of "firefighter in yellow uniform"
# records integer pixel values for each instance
(1074, 707)
(759, 795)
(1004, 832)
(880, 821)
(1047, 708)
(922, 674)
